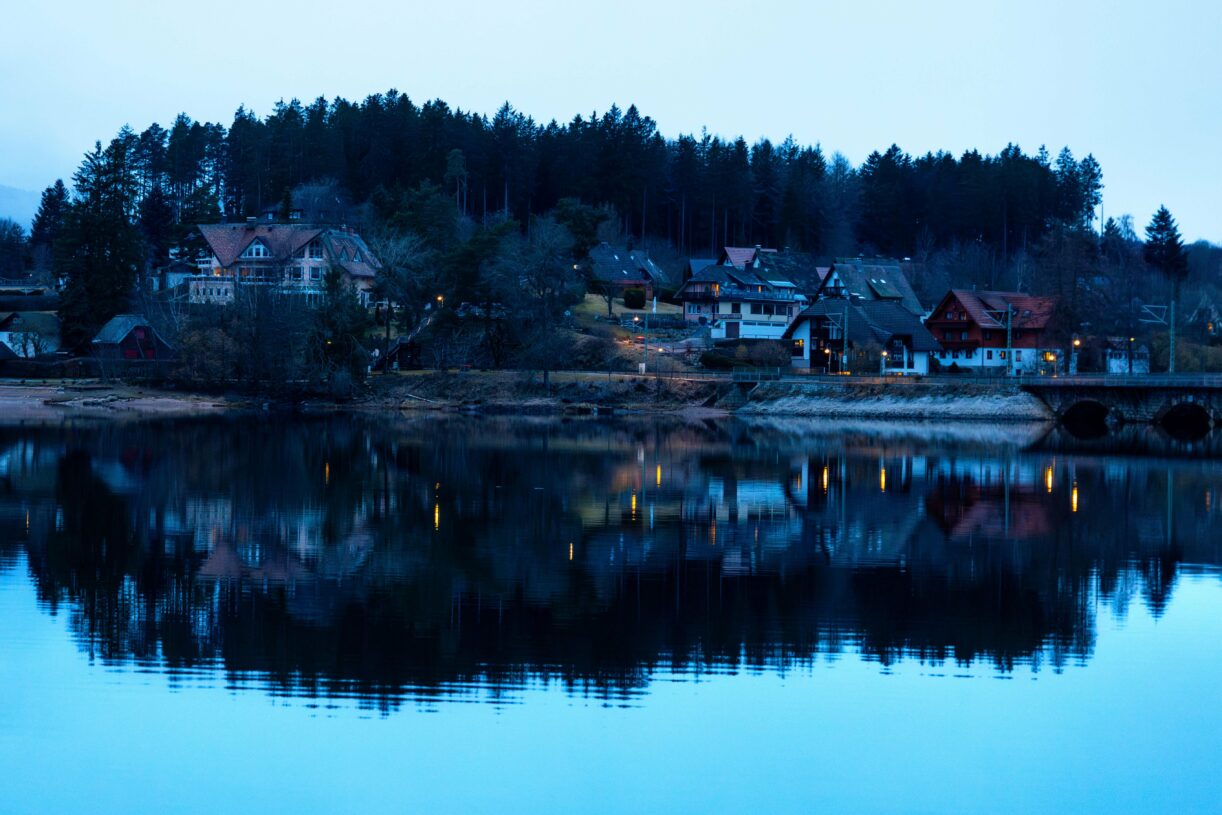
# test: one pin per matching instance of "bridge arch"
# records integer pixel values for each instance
(1086, 418)
(1185, 417)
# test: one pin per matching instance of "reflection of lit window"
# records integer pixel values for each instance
(250, 553)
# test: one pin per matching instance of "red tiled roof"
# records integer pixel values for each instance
(345, 248)
(740, 256)
(228, 241)
(983, 307)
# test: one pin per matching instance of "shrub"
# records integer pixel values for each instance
(769, 355)
(634, 298)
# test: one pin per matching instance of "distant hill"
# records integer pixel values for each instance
(20, 205)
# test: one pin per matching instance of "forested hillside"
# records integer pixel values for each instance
(698, 192)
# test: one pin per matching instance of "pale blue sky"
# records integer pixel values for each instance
(1137, 84)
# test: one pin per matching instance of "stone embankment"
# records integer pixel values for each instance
(894, 400)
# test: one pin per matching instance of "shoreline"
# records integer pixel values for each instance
(503, 393)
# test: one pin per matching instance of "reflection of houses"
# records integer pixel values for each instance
(288, 258)
(837, 335)
(740, 297)
(981, 329)
(1125, 356)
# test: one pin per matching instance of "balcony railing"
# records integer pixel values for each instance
(735, 293)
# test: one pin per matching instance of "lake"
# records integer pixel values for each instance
(478, 614)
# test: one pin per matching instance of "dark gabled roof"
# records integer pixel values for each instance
(872, 321)
(712, 273)
(609, 264)
(891, 318)
(119, 326)
(875, 280)
(798, 268)
(860, 330)
(694, 265)
(660, 276)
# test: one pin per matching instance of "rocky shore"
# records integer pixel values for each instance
(568, 393)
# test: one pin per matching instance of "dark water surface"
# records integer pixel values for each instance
(485, 615)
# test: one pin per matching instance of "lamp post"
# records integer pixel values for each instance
(636, 321)
(882, 363)
(1073, 357)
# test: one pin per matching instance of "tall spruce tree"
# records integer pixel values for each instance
(48, 222)
(1164, 250)
(100, 250)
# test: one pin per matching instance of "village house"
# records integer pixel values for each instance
(173, 275)
(972, 329)
(130, 337)
(860, 336)
(615, 270)
(868, 280)
(29, 334)
(1124, 355)
(1205, 322)
(739, 297)
(291, 258)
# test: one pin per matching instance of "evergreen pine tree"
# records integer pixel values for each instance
(1164, 250)
(100, 250)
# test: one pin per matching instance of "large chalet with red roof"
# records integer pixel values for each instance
(292, 258)
(971, 327)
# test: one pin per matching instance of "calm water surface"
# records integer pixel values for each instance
(488, 615)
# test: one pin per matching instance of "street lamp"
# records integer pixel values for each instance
(1073, 357)
(882, 363)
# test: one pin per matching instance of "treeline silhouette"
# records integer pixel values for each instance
(696, 191)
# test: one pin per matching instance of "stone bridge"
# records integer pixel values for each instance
(1133, 399)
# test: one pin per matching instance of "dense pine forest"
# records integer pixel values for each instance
(697, 192)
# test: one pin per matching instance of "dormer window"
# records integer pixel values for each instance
(258, 249)
(315, 250)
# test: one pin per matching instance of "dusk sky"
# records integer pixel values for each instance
(1139, 85)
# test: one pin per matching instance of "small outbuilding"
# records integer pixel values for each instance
(130, 337)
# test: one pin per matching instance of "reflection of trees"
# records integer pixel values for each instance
(381, 559)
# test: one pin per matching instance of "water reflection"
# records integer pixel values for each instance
(380, 560)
